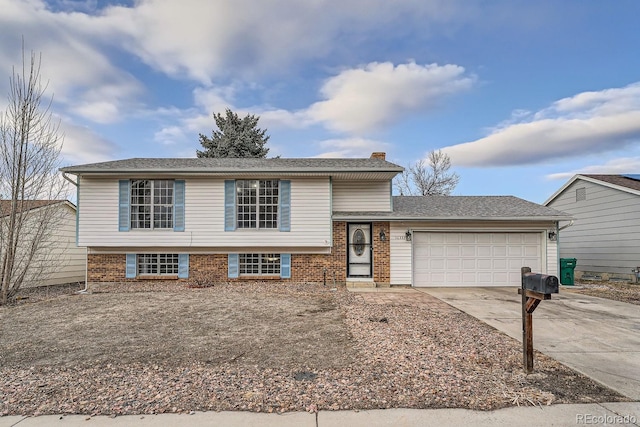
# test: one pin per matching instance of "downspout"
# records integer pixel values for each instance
(86, 250)
(566, 226)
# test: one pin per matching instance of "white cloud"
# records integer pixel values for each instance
(619, 166)
(82, 145)
(378, 94)
(357, 101)
(351, 147)
(79, 74)
(587, 123)
(208, 39)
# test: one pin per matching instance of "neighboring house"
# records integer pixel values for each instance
(605, 238)
(61, 260)
(300, 220)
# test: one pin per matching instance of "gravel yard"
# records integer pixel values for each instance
(624, 292)
(261, 347)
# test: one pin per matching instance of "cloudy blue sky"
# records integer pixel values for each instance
(520, 94)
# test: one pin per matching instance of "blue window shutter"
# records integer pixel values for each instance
(183, 266)
(285, 266)
(123, 205)
(178, 205)
(229, 205)
(234, 268)
(131, 266)
(285, 205)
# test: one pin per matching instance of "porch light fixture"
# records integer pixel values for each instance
(408, 235)
(383, 235)
(552, 236)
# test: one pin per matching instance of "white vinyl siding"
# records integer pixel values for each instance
(65, 262)
(401, 264)
(367, 196)
(204, 219)
(605, 237)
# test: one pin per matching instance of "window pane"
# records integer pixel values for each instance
(151, 203)
(157, 264)
(260, 264)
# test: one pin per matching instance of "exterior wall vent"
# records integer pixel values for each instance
(581, 194)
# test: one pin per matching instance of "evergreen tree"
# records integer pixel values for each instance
(235, 137)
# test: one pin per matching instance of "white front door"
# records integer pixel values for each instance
(359, 250)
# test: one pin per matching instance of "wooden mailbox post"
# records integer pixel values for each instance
(534, 288)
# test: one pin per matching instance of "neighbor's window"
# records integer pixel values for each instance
(260, 264)
(157, 264)
(257, 203)
(151, 203)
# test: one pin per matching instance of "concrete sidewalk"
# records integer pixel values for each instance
(619, 414)
(595, 336)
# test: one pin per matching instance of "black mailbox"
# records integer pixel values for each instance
(540, 283)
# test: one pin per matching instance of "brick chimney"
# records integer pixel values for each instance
(379, 155)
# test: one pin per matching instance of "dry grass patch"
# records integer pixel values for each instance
(262, 347)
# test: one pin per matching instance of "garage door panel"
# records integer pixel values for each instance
(452, 251)
(452, 238)
(470, 264)
(483, 250)
(437, 264)
(499, 264)
(483, 238)
(437, 251)
(473, 259)
(515, 251)
(453, 263)
(498, 237)
(531, 238)
(468, 251)
(499, 251)
(531, 251)
(467, 238)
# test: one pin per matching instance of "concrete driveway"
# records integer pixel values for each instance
(597, 337)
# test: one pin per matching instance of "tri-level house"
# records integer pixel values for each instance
(302, 220)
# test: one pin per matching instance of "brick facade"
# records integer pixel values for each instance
(304, 267)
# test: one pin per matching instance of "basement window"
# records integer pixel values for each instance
(157, 264)
(259, 264)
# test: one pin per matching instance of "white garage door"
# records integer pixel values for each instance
(473, 259)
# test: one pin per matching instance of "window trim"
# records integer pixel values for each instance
(132, 269)
(255, 208)
(152, 205)
(233, 267)
(263, 264)
(124, 206)
(158, 262)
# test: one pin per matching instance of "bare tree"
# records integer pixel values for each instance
(428, 177)
(30, 144)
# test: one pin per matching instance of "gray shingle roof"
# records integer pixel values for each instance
(463, 207)
(234, 165)
(620, 180)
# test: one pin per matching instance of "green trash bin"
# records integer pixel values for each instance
(567, 265)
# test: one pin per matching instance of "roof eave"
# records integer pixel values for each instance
(383, 217)
(226, 172)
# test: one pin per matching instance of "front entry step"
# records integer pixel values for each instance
(365, 284)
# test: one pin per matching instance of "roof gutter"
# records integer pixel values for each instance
(65, 176)
(444, 219)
